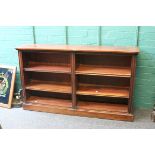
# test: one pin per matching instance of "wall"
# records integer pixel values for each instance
(11, 37)
(144, 37)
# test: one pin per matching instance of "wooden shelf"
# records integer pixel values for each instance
(103, 71)
(49, 68)
(109, 91)
(109, 107)
(49, 101)
(49, 86)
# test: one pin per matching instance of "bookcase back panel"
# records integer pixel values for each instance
(89, 98)
(103, 80)
(60, 77)
(48, 94)
(33, 58)
(103, 60)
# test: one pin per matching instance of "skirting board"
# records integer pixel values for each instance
(80, 112)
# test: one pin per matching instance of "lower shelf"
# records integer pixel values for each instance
(48, 86)
(50, 101)
(91, 109)
(109, 107)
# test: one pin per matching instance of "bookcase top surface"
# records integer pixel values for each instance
(79, 48)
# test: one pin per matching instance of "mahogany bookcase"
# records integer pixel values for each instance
(92, 81)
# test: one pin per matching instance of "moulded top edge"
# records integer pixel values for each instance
(79, 48)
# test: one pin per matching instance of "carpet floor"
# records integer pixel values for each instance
(17, 118)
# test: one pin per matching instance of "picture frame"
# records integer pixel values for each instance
(7, 83)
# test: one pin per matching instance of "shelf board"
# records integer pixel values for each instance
(48, 68)
(49, 86)
(49, 101)
(109, 107)
(104, 71)
(99, 90)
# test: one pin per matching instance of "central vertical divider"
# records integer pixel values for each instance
(73, 80)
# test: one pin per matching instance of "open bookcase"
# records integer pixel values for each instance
(93, 81)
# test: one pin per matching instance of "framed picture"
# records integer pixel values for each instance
(7, 82)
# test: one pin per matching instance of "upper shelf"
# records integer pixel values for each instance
(70, 48)
(48, 68)
(103, 71)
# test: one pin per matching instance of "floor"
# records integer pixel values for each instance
(17, 118)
